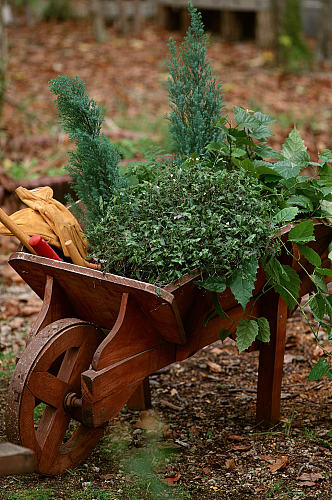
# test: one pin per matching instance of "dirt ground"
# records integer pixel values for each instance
(201, 440)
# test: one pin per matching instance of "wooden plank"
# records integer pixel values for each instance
(234, 5)
(104, 392)
(141, 398)
(96, 296)
(15, 459)
(271, 358)
(132, 333)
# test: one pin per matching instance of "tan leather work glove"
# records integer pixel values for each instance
(59, 219)
(31, 223)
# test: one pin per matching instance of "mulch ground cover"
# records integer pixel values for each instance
(201, 440)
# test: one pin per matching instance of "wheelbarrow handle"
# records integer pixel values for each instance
(16, 230)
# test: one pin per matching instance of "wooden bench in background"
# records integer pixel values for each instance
(232, 18)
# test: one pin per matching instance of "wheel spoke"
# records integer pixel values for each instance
(50, 434)
(74, 363)
(48, 388)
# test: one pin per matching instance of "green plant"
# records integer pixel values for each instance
(195, 97)
(217, 206)
(94, 164)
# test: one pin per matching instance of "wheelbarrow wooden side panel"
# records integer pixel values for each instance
(96, 297)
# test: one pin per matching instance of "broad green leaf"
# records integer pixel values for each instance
(256, 123)
(320, 369)
(310, 255)
(265, 168)
(318, 305)
(300, 201)
(326, 156)
(275, 271)
(263, 329)
(325, 174)
(217, 305)
(286, 215)
(287, 169)
(266, 151)
(212, 284)
(293, 144)
(223, 334)
(243, 282)
(289, 289)
(246, 332)
(320, 282)
(302, 233)
(330, 251)
(323, 271)
(326, 208)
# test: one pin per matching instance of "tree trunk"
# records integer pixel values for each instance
(324, 42)
(98, 20)
(3, 55)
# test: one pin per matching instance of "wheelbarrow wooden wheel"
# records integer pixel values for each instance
(47, 376)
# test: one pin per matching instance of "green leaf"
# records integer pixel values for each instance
(310, 255)
(246, 332)
(263, 329)
(287, 169)
(265, 168)
(265, 151)
(210, 316)
(217, 305)
(325, 174)
(256, 123)
(323, 271)
(286, 215)
(326, 156)
(318, 305)
(302, 233)
(320, 369)
(320, 282)
(275, 271)
(224, 333)
(293, 144)
(300, 201)
(289, 288)
(243, 282)
(212, 284)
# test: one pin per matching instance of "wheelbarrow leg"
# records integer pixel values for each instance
(141, 399)
(271, 358)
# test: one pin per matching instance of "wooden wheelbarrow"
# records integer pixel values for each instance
(99, 336)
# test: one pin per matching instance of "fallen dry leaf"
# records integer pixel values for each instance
(171, 481)
(235, 437)
(230, 464)
(280, 463)
(214, 367)
(311, 477)
(206, 470)
(241, 447)
(149, 421)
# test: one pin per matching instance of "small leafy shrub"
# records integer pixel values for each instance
(193, 215)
